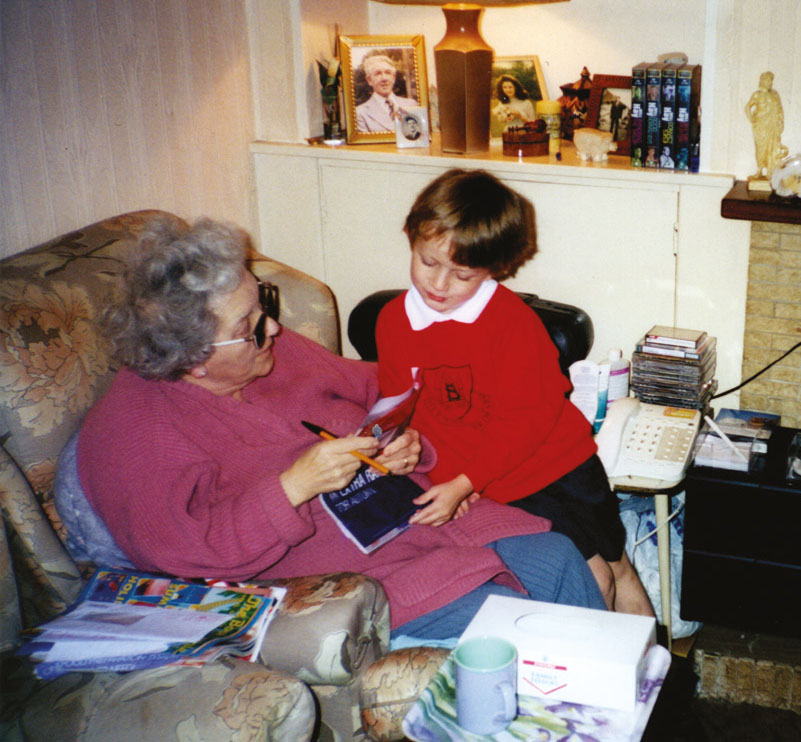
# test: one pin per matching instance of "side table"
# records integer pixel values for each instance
(432, 717)
(661, 490)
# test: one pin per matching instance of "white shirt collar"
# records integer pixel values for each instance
(421, 315)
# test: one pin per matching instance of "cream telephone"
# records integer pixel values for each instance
(647, 440)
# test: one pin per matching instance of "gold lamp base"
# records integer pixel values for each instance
(463, 62)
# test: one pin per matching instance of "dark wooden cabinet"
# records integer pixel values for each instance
(742, 545)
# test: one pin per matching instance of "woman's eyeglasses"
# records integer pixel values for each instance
(268, 299)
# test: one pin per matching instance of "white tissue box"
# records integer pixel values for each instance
(581, 655)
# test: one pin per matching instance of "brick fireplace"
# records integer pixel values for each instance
(773, 305)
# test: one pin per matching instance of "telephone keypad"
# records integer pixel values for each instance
(659, 442)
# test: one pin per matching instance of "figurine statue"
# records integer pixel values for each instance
(764, 111)
(593, 144)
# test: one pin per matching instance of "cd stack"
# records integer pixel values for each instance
(676, 367)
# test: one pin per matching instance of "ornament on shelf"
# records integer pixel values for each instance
(764, 111)
(575, 101)
(786, 179)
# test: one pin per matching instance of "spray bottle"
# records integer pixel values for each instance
(603, 392)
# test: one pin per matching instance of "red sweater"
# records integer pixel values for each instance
(494, 398)
(187, 483)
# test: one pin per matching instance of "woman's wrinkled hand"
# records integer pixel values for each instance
(402, 455)
(325, 467)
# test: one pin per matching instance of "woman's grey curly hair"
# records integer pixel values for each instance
(164, 324)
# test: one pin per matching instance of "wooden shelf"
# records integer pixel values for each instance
(755, 206)
(569, 167)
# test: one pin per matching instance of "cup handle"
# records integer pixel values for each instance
(509, 701)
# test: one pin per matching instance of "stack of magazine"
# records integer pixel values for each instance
(127, 620)
(736, 437)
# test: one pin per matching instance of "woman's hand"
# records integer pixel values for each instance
(325, 467)
(402, 455)
(443, 502)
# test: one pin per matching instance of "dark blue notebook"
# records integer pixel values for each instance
(373, 508)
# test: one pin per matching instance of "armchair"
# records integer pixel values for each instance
(322, 645)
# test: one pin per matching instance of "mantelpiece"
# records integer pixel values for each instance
(740, 203)
(631, 246)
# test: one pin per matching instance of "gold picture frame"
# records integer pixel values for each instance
(526, 75)
(368, 121)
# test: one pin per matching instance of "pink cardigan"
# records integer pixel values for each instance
(187, 483)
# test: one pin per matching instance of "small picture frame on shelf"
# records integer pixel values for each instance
(517, 85)
(382, 77)
(609, 109)
(411, 128)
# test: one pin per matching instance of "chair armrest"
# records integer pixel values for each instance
(216, 702)
(328, 628)
(392, 684)
(307, 305)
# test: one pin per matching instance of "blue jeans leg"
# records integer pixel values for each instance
(549, 566)
(551, 569)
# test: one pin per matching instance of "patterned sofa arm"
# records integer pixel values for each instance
(329, 628)
(225, 700)
(307, 305)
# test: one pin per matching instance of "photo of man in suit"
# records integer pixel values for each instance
(379, 111)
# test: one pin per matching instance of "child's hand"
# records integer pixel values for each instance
(442, 502)
(464, 505)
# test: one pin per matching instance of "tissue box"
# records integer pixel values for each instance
(585, 656)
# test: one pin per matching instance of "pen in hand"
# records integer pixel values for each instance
(323, 433)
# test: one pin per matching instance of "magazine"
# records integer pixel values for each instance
(373, 508)
(747, 424)
(389, 416)
(125, 620)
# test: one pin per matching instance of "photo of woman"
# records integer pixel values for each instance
(517, 85)
(514, 108)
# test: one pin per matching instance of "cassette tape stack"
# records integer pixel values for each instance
(676, 367)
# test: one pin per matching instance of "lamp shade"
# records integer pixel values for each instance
(485, 3)
(463, 62)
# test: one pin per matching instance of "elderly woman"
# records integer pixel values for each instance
(197, 461)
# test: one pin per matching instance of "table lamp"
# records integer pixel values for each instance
(463, 62)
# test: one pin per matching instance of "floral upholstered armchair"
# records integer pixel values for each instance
(326, 674)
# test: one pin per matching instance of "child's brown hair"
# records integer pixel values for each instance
(491, 225)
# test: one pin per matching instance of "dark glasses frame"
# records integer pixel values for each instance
(269, 300)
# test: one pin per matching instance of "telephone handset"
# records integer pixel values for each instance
(647, 440)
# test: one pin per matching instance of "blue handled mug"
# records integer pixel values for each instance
(485, 671)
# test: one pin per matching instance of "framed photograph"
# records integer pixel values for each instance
(517, 85)
(411, 128)
(382, 77)
(609, 109)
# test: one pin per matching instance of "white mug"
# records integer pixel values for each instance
(485, 671)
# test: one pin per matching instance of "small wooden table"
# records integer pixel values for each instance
(661, 490)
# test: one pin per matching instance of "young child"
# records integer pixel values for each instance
(494, 400)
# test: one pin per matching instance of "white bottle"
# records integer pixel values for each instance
(619, 369)
(584, 377)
